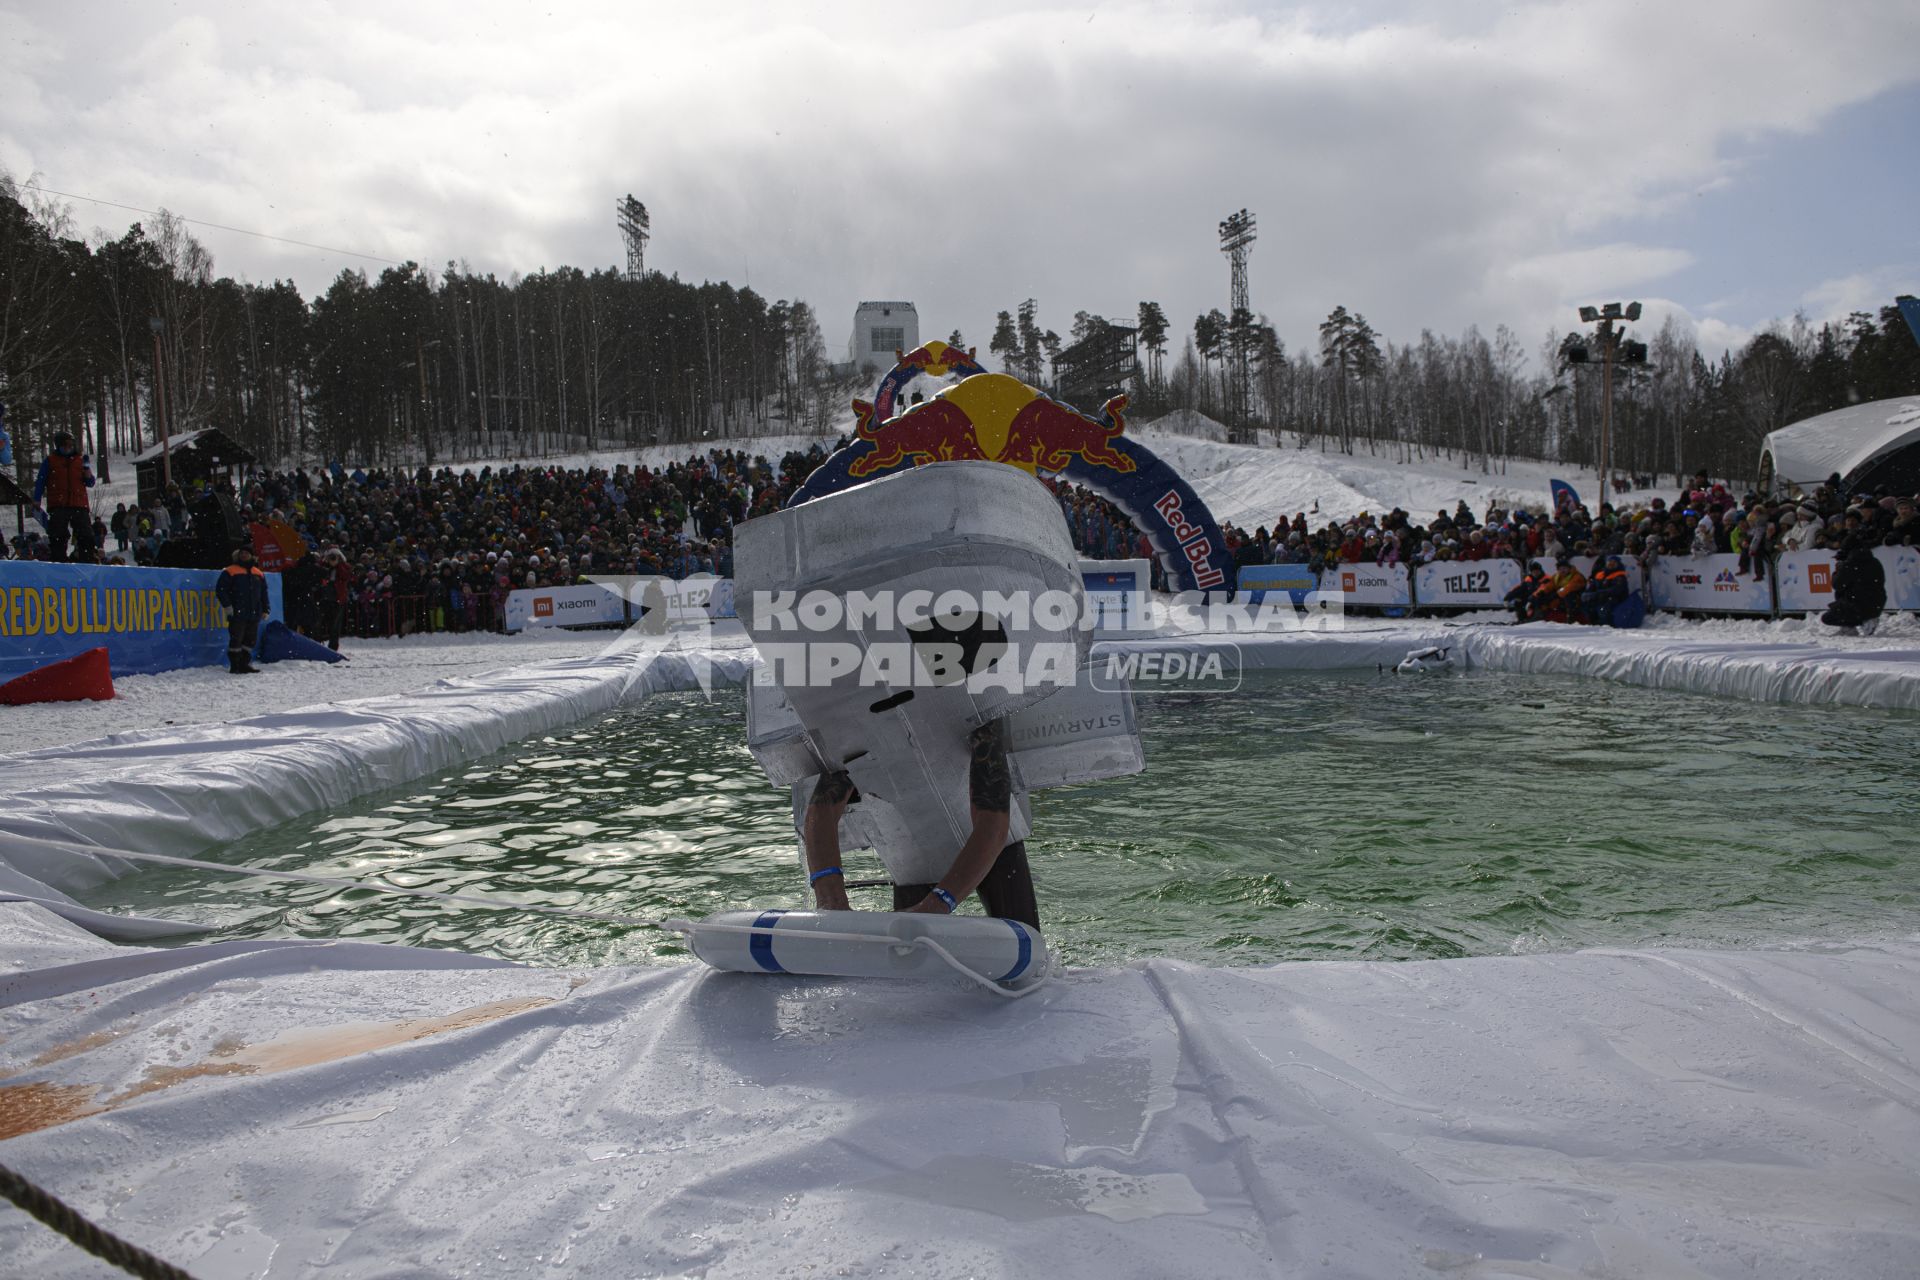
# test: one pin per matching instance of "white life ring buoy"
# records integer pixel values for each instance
(870, 944)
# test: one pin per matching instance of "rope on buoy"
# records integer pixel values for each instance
(60, 1216)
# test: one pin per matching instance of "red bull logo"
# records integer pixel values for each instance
(990, 417)
(935, 431)
(935, 358)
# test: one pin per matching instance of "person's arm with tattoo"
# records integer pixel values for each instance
(990, 792)
(831, 796)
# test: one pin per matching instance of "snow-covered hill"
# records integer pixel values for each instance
(1252, 486)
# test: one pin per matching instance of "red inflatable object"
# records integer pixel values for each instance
(83, 677)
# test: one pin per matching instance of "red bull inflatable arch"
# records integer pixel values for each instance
(998, 418)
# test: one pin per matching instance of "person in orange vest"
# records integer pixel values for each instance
(1521, 598)
(1607, 588)
(242, 590)
(1560, 593)
(65, 476)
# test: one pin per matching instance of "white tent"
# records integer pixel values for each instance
(1847, 441)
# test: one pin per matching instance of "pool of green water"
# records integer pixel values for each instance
(1326, 816)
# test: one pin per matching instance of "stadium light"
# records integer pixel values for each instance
(1612, 351)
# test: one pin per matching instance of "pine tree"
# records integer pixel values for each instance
(1153, 336)
(1005, 342)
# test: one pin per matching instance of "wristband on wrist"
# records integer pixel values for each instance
(953, 903)
(823, 873)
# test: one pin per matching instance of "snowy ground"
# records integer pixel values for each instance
(199, 694)
(1256, 486)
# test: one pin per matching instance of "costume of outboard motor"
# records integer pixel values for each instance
(893, 618)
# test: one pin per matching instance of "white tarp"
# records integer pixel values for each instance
(358, 1110)
(1807, 452)
(1708, 584)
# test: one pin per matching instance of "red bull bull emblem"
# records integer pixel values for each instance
(995, 418)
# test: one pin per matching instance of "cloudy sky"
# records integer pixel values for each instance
(1431, 166)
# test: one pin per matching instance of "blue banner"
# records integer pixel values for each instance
(1564, 495)
(147, 619)
(1296, 580)
(1910, 309)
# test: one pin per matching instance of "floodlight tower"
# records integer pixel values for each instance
(635, 227)
(1236, 241)
(1612, 351)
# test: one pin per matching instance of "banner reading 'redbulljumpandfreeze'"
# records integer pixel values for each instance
(147, 619)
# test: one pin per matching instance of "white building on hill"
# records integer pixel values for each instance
(879, 330)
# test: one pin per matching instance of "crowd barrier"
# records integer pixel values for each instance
(1117, 593)
(597, 604)
(1295, 580)
(148, 620)
(1798, 582)
(1803, 580)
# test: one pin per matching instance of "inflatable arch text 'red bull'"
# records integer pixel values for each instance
(997, 418)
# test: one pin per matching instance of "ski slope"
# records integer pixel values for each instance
(1251, 486)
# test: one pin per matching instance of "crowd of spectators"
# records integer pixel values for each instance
(403, 550)
(395, 551)
(1705, 518)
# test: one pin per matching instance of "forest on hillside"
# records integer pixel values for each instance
(112, 337)
(1481, 399)
(109, 338)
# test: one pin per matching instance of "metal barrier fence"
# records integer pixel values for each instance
(1793, 582)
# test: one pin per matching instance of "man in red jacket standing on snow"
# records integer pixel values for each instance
(62, 485)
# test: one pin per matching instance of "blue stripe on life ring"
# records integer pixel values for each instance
(760, 945)
(1026, 952)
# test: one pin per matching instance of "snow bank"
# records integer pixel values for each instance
(1762, 668)
(374, 1110)
(194, 695)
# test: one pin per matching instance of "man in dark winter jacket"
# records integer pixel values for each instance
(1859, 588)
(65, 476)
(243, 592)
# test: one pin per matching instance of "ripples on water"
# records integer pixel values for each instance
(1340, 815)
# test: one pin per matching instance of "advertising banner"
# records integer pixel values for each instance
(147, 619)
(591, 605)
(1804, 582)
(698, 598)
(1296, 580)
(1709, 584)
(1369, 584)
(1117, 593)
(1903, 576)
(599, 604)
(1479, 584)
